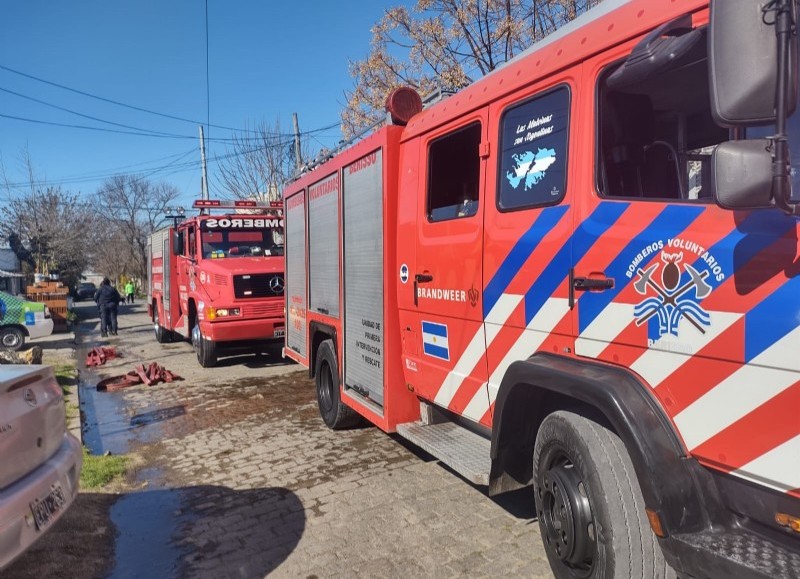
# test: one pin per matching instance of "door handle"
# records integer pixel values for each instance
(418, 279)
(590, 283)
(583, 284)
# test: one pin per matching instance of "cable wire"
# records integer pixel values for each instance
(118, 103)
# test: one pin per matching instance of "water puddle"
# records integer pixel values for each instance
(147, 522)
(105, 425)
(158, 415)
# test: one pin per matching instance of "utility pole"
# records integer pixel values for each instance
(298, 161)
(204, 176)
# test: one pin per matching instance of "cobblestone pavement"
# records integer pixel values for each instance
(253, 483)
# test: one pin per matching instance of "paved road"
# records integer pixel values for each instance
(240, 478)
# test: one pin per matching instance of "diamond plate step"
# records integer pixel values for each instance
(465, 452)
(747, 554)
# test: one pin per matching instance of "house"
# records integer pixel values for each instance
(11, 278)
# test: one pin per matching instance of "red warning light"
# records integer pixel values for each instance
(206, 203)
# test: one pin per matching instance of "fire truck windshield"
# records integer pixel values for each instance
(241, 243)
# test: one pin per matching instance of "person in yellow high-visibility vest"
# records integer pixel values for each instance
(129, 291)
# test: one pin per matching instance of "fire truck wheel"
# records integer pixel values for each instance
(206, 349)
(588, 502)
(335, 414)
(11, 338)
(162, 334)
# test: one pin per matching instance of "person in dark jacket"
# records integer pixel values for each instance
(107, 299)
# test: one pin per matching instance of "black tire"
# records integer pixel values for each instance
(11, 338)
(206, 349)
(334, 413)
(163, 336)
(589, 505)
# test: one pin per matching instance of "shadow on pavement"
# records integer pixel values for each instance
(52, 342)
(209, 531)
(204, 531)
(80, 544)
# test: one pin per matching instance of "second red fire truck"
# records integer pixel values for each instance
(581, 274)
(217, 279)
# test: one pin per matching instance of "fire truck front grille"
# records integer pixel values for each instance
(258, 285)
(220, 279)
(271, 310)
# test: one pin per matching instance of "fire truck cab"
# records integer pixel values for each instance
(581, 274)
(218, 279)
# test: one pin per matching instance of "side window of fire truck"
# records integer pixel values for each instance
(190, 245)
(454, 173)
(656, 133)
(533, 151)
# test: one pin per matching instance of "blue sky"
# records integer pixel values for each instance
(267, 59)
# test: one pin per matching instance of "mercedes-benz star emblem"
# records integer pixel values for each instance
(276, 284)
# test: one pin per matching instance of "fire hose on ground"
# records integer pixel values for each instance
(149, 375)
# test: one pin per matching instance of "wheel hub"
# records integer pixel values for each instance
(566, 515)
(326, 389)
(196, 336)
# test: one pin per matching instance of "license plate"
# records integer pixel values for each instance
(279, 333)
(46, 508)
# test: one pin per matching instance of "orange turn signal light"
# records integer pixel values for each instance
(655, 523)
(785, 520)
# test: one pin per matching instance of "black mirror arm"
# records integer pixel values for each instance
(781, 166)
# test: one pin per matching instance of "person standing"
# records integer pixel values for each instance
(129, 291)
(107, 299)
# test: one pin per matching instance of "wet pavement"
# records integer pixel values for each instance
(237, 476)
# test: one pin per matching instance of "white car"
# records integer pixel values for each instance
(40, 462)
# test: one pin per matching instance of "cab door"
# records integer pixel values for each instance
(702, 303)
(448, 272)
(530, 238)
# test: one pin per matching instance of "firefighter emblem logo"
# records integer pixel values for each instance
(673, 293)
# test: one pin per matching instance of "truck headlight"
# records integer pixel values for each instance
(213, 313)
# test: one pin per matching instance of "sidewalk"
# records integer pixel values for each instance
(59, 350)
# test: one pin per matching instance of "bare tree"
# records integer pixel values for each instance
(446, 44)
(257, 163)
(46, 225)
(130, 209)
(113, 255)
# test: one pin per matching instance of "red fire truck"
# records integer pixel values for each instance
(581, 274)
(218, 279)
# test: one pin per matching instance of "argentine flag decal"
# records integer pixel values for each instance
(434, 340)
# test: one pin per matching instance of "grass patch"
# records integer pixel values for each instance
(66, 376)
(98, 471)
(72, 411)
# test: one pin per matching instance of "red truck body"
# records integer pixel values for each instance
(218, 280)
(539, 281)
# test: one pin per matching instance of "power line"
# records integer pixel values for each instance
(81, 178)
(186, 166)
(90, 117)
(118, 103)
(88, 128)
(142, 134)
(208, 86)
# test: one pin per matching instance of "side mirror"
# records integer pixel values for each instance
(177, 243)
(742, 174)
(744, 63)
